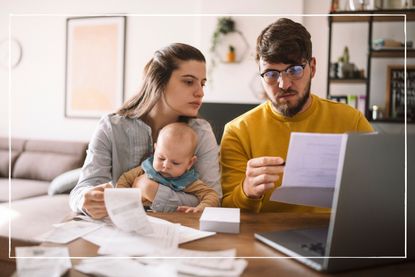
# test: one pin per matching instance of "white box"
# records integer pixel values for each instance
(223, 220)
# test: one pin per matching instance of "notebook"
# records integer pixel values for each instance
(367, 222)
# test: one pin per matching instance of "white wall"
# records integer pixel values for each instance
(38, 82)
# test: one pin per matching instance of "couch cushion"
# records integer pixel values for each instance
(4, 161)
(43, 165)
(34, 216)
(77, 149)
(44, 160)
(22, 189)
(17, 146)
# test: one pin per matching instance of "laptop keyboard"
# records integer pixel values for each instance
(318, 247)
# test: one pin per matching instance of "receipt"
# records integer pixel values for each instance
(126, 210)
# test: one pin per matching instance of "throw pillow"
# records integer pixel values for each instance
(65, 182)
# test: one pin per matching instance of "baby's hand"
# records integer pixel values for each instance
(187, 209)
(138, 180)
(148, 187)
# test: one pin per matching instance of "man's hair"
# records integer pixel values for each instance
(181, 133)
(284, 41)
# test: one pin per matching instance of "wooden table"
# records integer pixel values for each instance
(247, 246)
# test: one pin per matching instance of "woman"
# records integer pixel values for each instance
(172, 91)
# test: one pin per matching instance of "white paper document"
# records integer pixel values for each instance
(40, 261)
(312, 169)
(186, 234)
(69, 231)
(133, 244)
(222, 260)
(104, 234)
(201, 263)
(126, 210)
(238, 268)
(124, 267)
(165, 236)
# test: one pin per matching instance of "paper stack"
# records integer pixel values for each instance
(224, 220)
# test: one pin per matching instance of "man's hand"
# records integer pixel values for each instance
(187, 209)
(261, 174)
(94, 203)
(147, 187)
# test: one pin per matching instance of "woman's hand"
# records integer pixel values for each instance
(94, 203)
(187, 209)
(261, 174)
(147, 187)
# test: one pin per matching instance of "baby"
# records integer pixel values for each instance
(172, 166)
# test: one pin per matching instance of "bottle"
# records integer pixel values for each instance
(375, 109)
(346, 57)
(334, 5)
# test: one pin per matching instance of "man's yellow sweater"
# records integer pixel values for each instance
(263, 132)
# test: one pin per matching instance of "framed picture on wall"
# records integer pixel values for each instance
(95, 50)
(395, 95)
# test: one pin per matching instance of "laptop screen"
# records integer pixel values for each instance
(367, 223)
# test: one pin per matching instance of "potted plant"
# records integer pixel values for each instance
(224, 26)
(231, 55)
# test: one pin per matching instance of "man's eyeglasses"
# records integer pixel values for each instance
(294, 72)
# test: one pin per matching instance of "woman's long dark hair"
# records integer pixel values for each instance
(157, 73)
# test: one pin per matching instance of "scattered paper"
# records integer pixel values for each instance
(83, 217)
(104, 234)
(200, 263)
(238, 268)
(223, 260)
(69, 231)
(38, 261)
(126, 210)
(115, 267)
(186, 234)
(166, 236)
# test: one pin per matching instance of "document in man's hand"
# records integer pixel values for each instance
(313, 168)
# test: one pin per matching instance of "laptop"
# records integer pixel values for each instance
(367, 223)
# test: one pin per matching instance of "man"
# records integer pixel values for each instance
(254, 145)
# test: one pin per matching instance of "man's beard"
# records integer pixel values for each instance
(287, 111)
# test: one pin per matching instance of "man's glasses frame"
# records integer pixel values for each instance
(293, 72)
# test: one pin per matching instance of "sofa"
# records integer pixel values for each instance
(42, 173)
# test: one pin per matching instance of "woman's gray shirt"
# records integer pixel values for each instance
(120, 143)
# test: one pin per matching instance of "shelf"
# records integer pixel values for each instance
(237, 40)
(364, 16)
(392, 53)
(235, 62)
(346, 18)
(348, 81)
(372, 18)
(391, 120)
